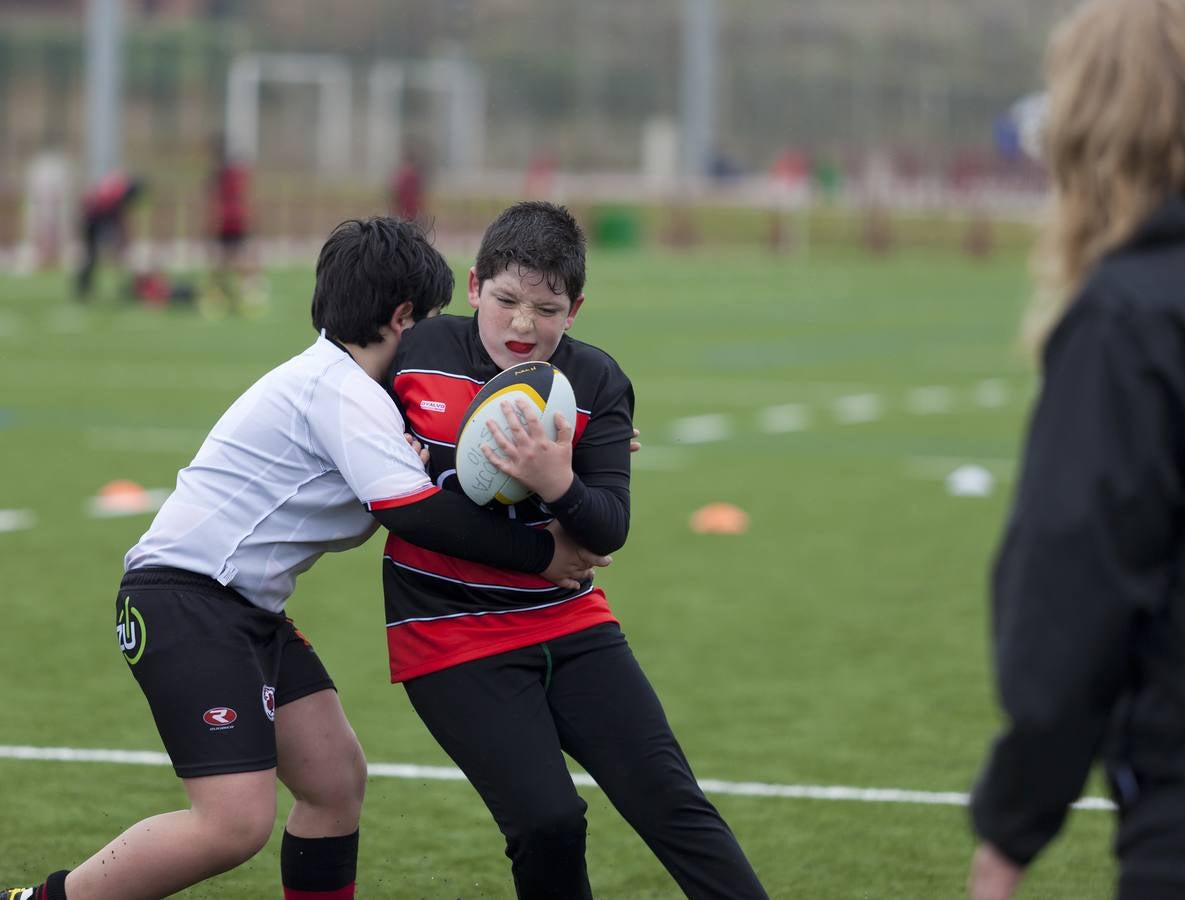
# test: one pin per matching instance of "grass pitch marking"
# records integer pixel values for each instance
(991, 393)
(17, 519)
(856, 408)
(929, 401)
(447, 773)
(784, 419)
(701, 429)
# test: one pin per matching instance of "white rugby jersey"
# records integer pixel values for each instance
(284, 476)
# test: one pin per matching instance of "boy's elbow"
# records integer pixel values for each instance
(612, 543)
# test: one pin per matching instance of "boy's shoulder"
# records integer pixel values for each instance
(440, 343)
(438, 326)
(592, 372)
(433, 332)
(581, 354)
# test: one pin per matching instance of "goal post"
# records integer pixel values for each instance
(329, 74)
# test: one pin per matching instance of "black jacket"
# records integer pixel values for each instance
(1088, 608)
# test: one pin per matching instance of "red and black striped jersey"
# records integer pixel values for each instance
(443, 610)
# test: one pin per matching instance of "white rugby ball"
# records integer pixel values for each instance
(539, 383)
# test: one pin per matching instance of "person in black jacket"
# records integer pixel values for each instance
(1088, 602)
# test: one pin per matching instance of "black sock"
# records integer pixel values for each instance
(55, 885)
(327, 865)
(53, 888)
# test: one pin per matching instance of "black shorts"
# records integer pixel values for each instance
(213, 667)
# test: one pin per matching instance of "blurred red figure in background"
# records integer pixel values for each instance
(229, 219)
(407, 191)
(104, 207)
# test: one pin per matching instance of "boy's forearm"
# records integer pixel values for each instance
(446, 522)
(597, 518)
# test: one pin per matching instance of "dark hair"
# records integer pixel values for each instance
(367, 268)
(539, 236)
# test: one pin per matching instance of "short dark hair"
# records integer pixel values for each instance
(370, 266)
(539, 236)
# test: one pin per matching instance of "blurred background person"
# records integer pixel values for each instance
(1089, 612)
(103, 223)
(228, 205)
(408, 188)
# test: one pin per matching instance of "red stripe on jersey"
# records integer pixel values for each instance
(419, 648)
(405, 500)
(401, 552)
(434, 403)
(581, 424)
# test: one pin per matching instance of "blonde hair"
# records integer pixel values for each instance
(1114, 139)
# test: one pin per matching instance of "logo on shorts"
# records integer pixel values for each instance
(129, 628)
(433, 405)
(269, 702)
(220, 718)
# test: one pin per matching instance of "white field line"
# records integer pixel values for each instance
(660, 459)
(991, 393)
(447, 773)
(701, 429)
(785, 418)
(929, 401)
(856, 408)
(17, 519)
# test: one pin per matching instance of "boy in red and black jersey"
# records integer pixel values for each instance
(508, 671)
(439, 607)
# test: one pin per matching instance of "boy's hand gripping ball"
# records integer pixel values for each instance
(543, 386)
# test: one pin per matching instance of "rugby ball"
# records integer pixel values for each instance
(543, 386)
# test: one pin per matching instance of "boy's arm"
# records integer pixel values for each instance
(445, 522)
(356, 427)
(587, 487)
(595, 509)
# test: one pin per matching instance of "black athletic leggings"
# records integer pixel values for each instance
(505, 719)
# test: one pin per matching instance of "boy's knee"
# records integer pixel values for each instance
(339, 784)
(237, 838)
(551, 834)
(352, 787)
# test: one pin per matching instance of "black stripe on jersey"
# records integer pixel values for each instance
(492, 612)
(425, 595)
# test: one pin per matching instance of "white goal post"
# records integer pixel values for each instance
(455, 81)
(462, 131)
(329, 74)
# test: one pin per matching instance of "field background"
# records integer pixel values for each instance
(840, 642)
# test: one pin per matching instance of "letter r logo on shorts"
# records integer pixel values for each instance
(130, 630)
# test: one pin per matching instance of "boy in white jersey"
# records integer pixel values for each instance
(310, 459)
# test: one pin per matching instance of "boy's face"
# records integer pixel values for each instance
(519, 317)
